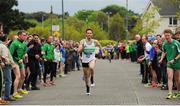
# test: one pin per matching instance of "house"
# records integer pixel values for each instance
(167, 14)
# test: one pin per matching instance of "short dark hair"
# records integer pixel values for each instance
(168, 31)
(35, 35)
(20, 32)
(3, 37)
(89, 29)
(146, 37)
(177, 32)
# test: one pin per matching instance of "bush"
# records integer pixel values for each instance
(106, 42)
(42, 32)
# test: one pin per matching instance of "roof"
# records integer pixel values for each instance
(167, 7)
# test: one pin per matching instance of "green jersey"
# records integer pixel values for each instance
(127, 49)
(48, 49)
(18, 49)
(172, 50)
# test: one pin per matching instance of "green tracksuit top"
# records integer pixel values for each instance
(48, 49)
(18, 49)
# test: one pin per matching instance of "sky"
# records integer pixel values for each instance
(72, 6)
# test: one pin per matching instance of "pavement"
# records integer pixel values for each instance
(117, 83)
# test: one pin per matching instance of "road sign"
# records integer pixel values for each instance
(55, 27)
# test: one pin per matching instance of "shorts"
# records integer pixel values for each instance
(62, 60)
(85, 65)
(172, 66)
(21, 66)
(175, 65)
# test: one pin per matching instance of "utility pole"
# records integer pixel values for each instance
(51, 20)
(63, 38)
(42, 19)
(127, 22)
(108, 13)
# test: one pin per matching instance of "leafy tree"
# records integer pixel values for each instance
(117, 27)
(83, 14)
(12, 19)
(42, 32)
(78, 24)
(102, 20)
(147, 23)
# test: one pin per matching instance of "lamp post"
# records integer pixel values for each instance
(63, 20)
(108, 13)
(127, 22)
(42, 19)
(51, 20)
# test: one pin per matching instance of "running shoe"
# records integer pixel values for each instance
(88, 93)
(92, 85)
(17, 96)
(170, 96)
(147, 85)
(177, 95)
(23, 92)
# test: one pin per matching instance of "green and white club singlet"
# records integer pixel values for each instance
(88, 53)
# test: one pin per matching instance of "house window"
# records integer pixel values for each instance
(173, 21)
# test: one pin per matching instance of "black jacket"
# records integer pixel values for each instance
(35, 50)
(140, 48)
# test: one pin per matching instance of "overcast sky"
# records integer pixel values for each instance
(72, 6)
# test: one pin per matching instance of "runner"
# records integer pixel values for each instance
(87, 47)
(171, 49)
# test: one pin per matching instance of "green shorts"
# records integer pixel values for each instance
(174, 66)
(21, 66)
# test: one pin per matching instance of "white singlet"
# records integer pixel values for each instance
(89, 51)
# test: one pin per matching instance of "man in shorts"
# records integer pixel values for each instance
(171, 49)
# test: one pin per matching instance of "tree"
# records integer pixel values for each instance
(123, 12)
(177, 3)
(83, 14)
(12, 19)
(78, 24)
(37, 16)
(137, 29)
(117, 27)
(147, 23)
(102, 20)
(42, 32)
(150, 23)
(114, 9)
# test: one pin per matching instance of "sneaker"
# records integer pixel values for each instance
(35, 88)
(164, 87)
(170, 96)
(10, 99)
(23, 92)
(92, 85)
(88, 93)
(3, 102)
(52, 83)
(177, 95)
(62, 75)
(17, 96)
(147, 85)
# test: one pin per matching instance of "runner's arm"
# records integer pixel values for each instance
(98, 44)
